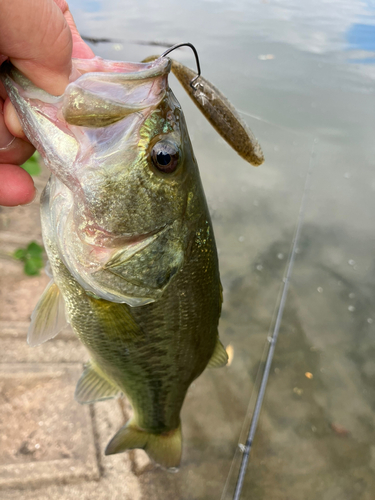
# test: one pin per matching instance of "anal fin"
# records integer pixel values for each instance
(220, 357)
(48, 317)
(92, 387)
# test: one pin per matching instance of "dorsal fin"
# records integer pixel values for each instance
(92, 387)
(219, 357)
(48, 317)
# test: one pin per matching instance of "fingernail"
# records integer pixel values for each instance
(12, 120)
(3, 138)
(35, 197)
(6, 138)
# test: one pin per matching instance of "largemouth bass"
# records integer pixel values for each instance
(129, 241)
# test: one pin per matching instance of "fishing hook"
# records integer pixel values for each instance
(192, 83)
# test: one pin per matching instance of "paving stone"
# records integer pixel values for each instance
(23, 222)
(64, 348)
(18, 296)
(45, 436)
(114, 481)
(19, 293)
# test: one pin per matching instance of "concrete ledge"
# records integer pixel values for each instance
(64, 348)
(38, 474)
(46, 437)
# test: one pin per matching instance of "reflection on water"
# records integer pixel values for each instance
(300, 67)
(317, 432)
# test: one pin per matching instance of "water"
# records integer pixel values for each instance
(306, 72)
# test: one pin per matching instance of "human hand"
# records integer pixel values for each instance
(40, 38)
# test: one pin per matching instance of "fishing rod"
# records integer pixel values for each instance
(272, 340)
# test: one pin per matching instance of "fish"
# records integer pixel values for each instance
(130, 244)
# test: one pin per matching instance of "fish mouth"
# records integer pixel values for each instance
(129, 70)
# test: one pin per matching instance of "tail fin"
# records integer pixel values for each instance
(165, 449)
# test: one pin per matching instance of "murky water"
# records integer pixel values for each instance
(303, 74)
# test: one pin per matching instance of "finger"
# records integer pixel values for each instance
(16, 186)
(80, 48)
(41, 46)
(3, 92)
(45, 75)
(11, 121)
(6, 137)
(42, 54)
(54, 77)
(17, 152)
(12, 149)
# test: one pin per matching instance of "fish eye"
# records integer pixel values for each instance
(165, 156)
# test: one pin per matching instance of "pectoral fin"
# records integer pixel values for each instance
(48, 317)
(219, 357)
(92, 387)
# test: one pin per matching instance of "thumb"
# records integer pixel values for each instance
(36, 35)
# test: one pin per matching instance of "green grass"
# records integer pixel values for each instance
(32, 165)
(32, 258)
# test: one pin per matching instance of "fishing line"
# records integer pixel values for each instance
(187, 44)
(246, 449)
(259, 118)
